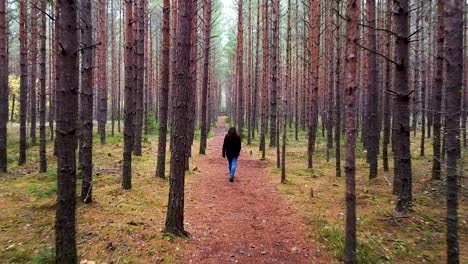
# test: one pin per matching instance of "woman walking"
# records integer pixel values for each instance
(231, 150)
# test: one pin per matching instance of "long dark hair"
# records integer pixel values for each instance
(232, 131)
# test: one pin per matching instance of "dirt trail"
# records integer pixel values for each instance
(244, 221)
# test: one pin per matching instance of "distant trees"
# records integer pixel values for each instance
(66, 133)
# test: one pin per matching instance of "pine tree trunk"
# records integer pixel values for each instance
(437, 93)
(164, 91)
(274, 73)
(130, 102)
(114, 66)
(256, 73)
(191, 117)
(86, 101)
(206, 60)
(264, 94)
(249, 76)
(33, 73)
(338, 86)
(286, 88)
(23, 81)
(102, 66)
(3, 88)
(175, 209)
(140, 74)
(373, 126)
(350, 121)
(66, 133)
(402, 92)
(387, 86)
(240, 68)
(454, 12)
(42, 92)
(314, 51)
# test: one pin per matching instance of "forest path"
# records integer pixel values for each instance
(245, 221)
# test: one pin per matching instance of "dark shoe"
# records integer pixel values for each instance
(231, 180)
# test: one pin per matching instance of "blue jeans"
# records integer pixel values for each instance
(232, 166)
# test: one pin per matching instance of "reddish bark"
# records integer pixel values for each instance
(23, 81)
(175, 209)
(350, 121)
(164, 92)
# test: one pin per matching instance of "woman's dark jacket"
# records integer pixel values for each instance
(232, 146)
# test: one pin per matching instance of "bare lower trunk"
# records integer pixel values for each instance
(66, 133)
(437, 93)
(42, 92)
(454, 12)
(402, 155)
(350, 121)
(102, 65)
(23, 82)
(3, 88)
(129, 108)
(164, 92)
(86, 101)
(175, 209)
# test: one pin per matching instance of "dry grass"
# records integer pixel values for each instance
(119, 227)
(383, 237)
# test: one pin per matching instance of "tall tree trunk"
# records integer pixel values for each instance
(274, 73)
(191, 117)
(3, 87)
(437, 92)
(286, 88)
(164, 91)
(240, 68)
(264, 77)
(454, 12)
(350, 120)
(423, 85)
(256, 77)
(42, 98)
(388, 86)
(66, 133)
(402, 92)
(130, 107)
(338, 86)
(114, 87)
(373, 127)
(249, 76)
(175, 209)
(23, 81)
(102, 66)
(140, 73)
(206, 61)
(314, 51)
(33, 73)
(331, 77)
(86, 101)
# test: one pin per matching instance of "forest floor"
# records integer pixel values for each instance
(254, 219)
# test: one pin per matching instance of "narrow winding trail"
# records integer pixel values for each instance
(244, 221)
